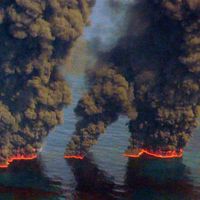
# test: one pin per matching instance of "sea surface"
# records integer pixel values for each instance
(105, 173)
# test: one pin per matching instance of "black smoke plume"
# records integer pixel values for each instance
(35, 38)
(158, 59)
(109, 95)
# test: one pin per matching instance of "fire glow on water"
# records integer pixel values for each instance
(18, 157)
(156, 154)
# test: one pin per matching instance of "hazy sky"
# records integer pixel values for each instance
(105, 25)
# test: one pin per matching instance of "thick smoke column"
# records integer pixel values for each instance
(158, 57)
(36, 36)
(109, 95)
(168, 106)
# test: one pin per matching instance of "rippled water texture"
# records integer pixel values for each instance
(105, 173)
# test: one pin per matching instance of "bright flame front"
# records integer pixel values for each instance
(17, 157)
(156, 154)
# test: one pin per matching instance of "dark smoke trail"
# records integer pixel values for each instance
(36, 36)
(158, 58)
(168, 111)
(109, 95)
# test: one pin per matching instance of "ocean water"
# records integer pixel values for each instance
(105, 173)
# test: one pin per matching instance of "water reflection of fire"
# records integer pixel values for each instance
(18, 157)
(156, 154)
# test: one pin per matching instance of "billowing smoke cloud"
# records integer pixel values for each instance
(159, 62)
(109, 95)
(168, 103)
(36, 36)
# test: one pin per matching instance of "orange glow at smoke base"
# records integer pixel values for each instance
(17, 157)
(158, 154)
(77, 157)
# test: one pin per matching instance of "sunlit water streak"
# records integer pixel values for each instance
(105, 173)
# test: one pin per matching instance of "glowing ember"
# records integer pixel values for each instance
(17, 157)
(78, 157)
(157, 154)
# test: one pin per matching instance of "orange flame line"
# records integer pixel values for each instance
(17, 157)
(78, 157)
(4, 166)
(158, 154)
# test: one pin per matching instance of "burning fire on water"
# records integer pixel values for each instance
(134, 154)
(78, 157)
(141, 152)
(19, 155)
(156, 154)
